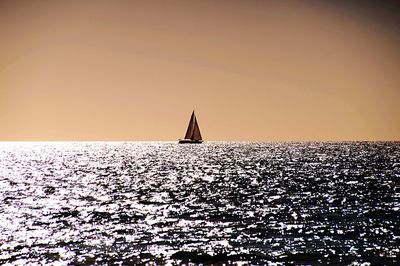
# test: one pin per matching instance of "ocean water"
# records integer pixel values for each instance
(219, 202)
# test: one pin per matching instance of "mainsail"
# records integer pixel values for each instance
(196, 131)
(193, 130)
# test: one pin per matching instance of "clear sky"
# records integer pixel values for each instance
(253, 70)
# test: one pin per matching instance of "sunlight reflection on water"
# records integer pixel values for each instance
(235, 202)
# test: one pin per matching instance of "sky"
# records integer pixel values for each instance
(285, 70)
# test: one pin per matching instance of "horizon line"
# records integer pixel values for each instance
(204, 141)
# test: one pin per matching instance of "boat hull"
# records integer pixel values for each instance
(189, 141)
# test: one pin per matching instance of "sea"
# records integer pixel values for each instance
(221, 203)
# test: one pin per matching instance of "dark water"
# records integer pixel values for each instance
(233, 203)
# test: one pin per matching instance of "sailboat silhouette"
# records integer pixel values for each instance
(193, 134)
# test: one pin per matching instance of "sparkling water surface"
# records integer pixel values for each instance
(218, 202)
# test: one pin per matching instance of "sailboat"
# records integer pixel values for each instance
(193, 134)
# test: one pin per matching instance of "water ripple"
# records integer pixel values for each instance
(219, 202)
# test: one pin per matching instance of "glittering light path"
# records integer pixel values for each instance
(138, 202)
